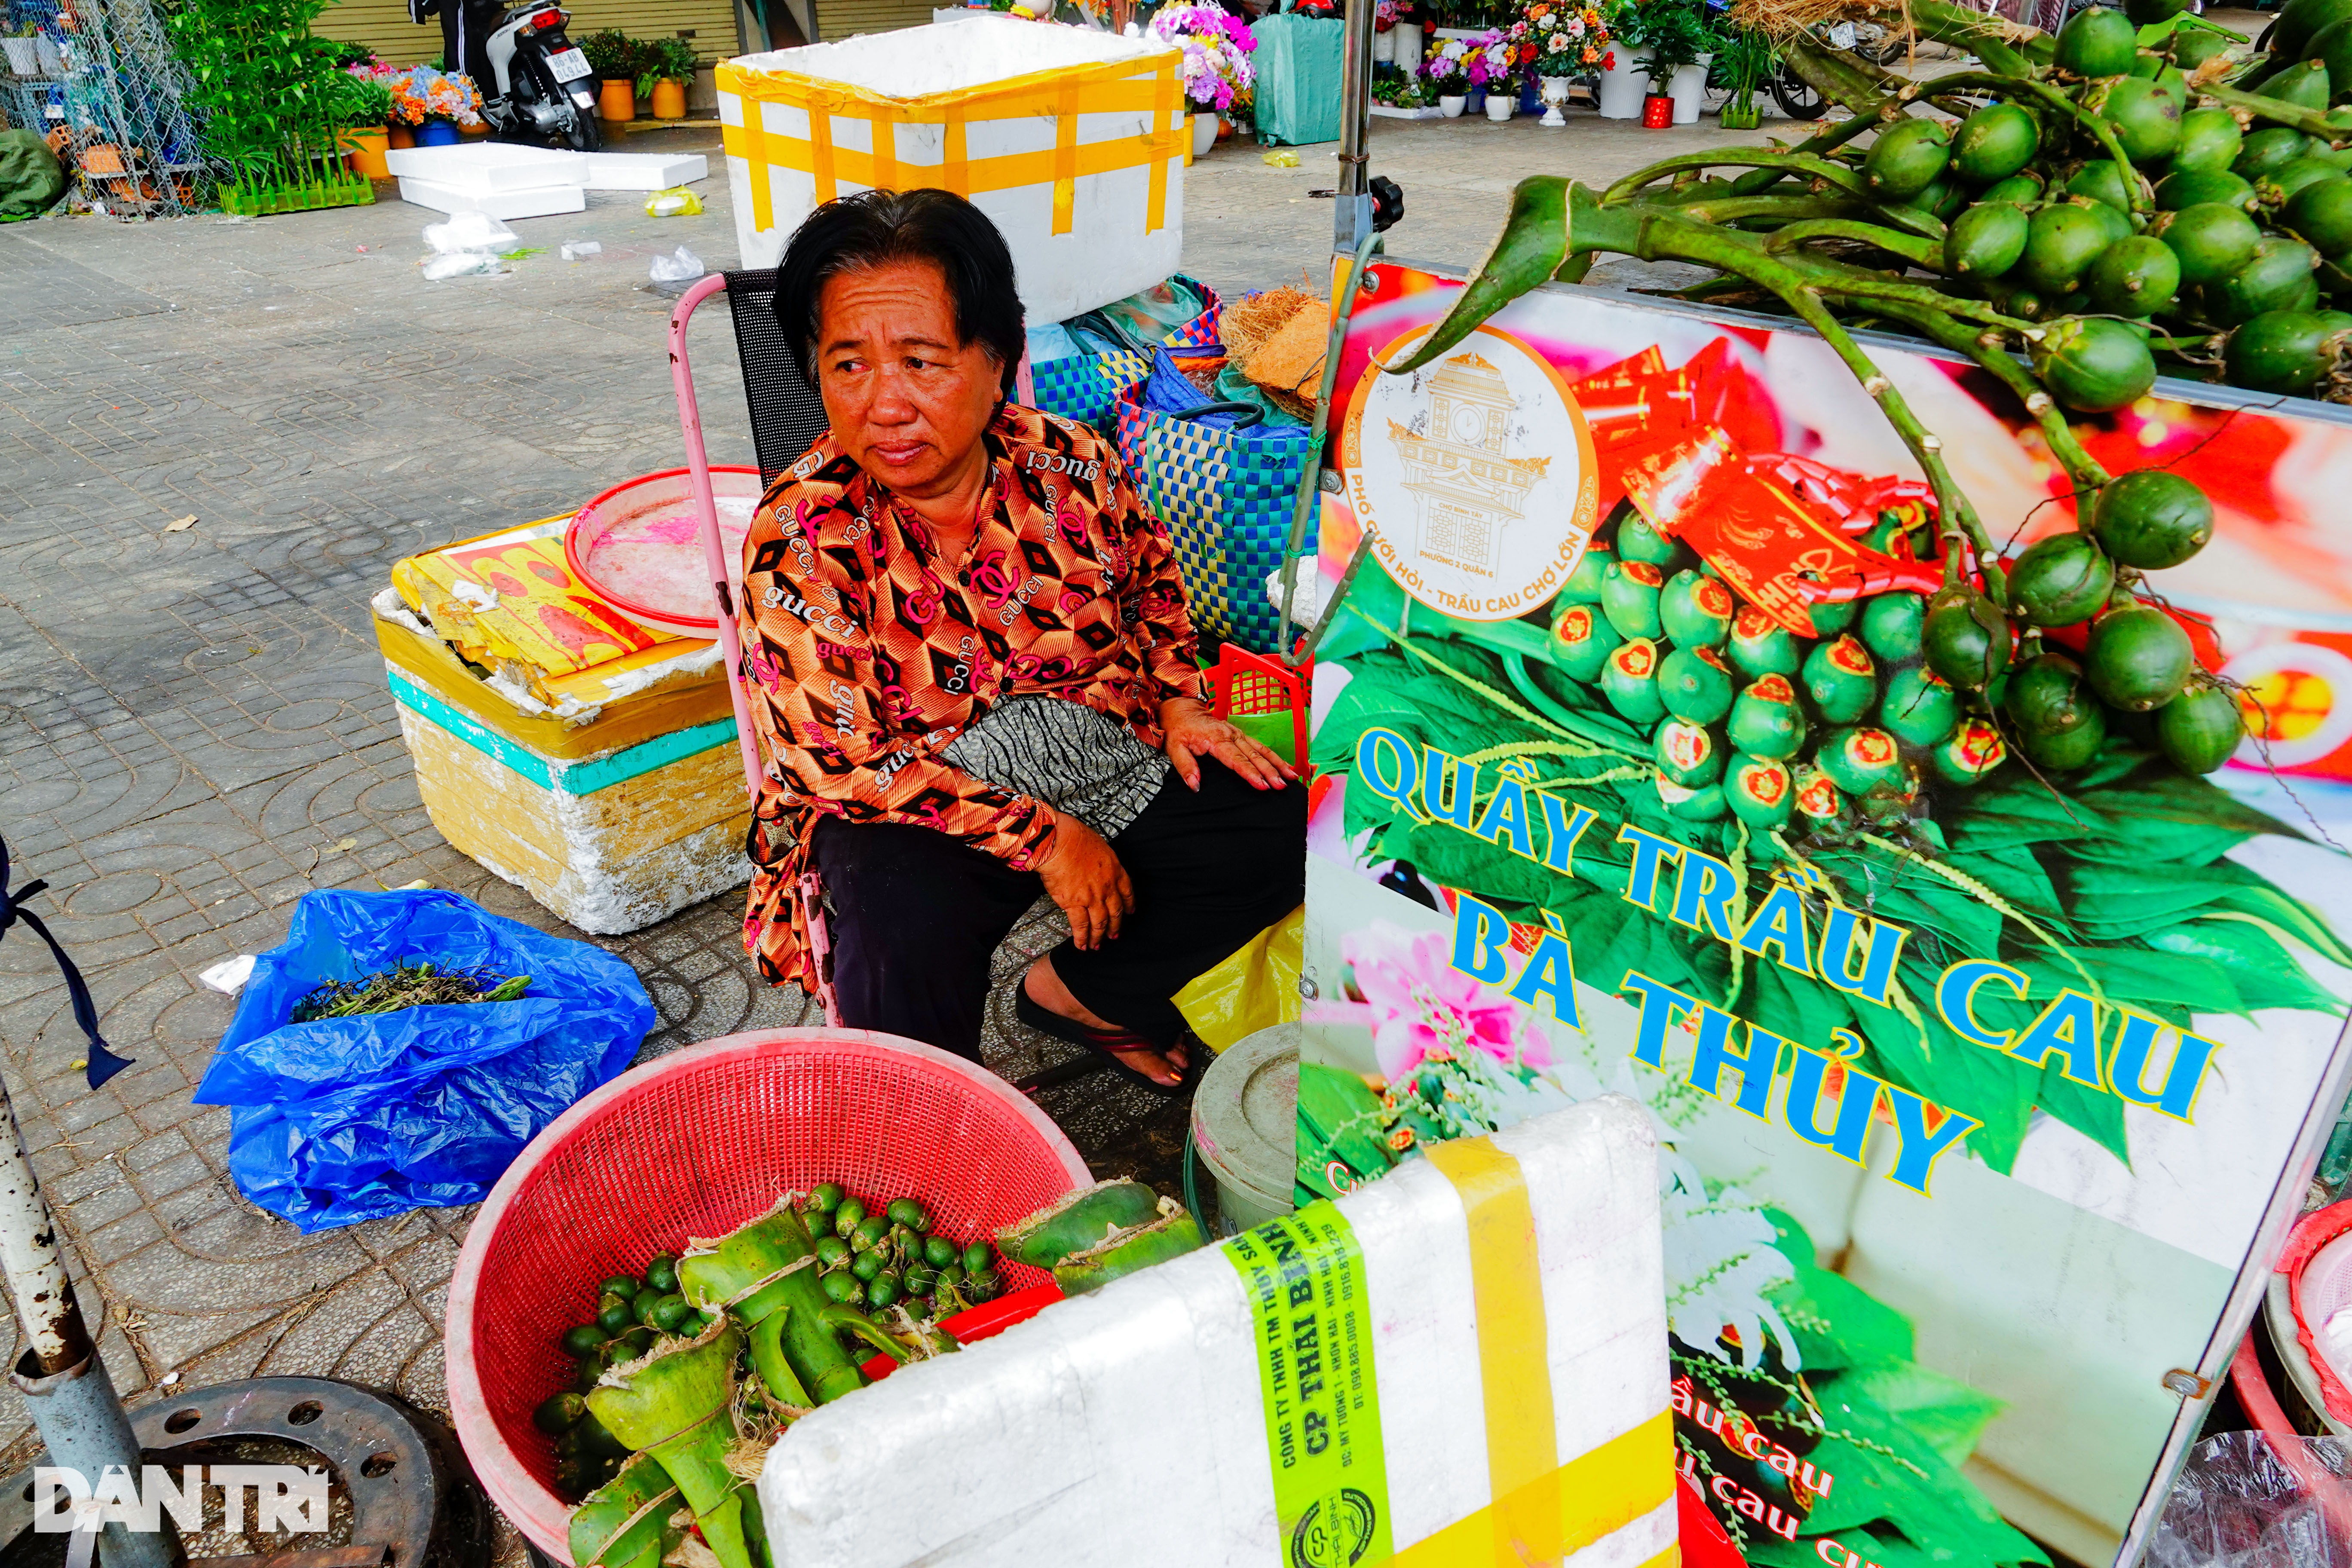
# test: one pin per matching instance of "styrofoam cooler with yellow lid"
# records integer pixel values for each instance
(1463, 1362)
(588, 761)
(1074, 141)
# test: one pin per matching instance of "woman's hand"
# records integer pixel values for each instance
(1084, 877)
(1192, 733)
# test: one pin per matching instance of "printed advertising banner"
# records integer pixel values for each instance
(1984, 1085)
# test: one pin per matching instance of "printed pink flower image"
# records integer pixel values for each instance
(1423, 1009)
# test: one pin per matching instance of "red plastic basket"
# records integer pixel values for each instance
(694, 1143)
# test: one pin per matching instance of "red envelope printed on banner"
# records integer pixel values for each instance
(1775, 526)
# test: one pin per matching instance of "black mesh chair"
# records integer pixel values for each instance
(786, 418)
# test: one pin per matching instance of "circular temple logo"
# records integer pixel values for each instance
(1474, 475)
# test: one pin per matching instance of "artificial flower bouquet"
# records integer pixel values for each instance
(1216, 46)
(421, 93)
(1569, 40)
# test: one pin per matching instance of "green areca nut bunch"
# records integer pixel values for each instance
(2084, 211)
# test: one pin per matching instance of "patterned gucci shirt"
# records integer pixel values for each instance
(866, 652)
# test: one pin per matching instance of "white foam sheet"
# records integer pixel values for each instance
(1126, 1426)
(644, 171)
(484, 167)
(544, 202)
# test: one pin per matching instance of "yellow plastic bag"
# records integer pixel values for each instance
(674, 202)
(1255, 988)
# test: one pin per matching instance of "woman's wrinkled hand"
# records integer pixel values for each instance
(1084, 876)
(1193, 734)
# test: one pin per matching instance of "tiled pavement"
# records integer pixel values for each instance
(195, 727)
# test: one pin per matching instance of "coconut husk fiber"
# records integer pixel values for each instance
(1276, 339)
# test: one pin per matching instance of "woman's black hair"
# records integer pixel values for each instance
(874, 229)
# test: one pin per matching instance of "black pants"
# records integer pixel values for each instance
(916, 915)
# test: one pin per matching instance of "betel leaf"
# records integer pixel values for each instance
(2260, 966)
(1338, 1118)
(2114, 901)
(2292, 916)
(2149, 979)
(1837, 1322)
(1882, 1471)
(1947, 1413)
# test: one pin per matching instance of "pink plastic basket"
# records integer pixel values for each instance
(694, 1143)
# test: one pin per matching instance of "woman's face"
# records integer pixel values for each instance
(907, 401)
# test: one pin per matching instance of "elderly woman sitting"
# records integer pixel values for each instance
(980, 680)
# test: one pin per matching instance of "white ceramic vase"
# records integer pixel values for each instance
(1501, 106)
(1204, 132)
(1689, 90)
(1449, 104)
(1406, 49)
(1624, 84)
(1555, 95)
(1384, 46)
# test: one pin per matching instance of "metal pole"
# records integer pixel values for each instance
(1351, 214)
(63, 1381)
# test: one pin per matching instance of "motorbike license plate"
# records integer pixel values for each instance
(569, 65)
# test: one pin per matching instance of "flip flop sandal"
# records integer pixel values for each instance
(1113, 1045)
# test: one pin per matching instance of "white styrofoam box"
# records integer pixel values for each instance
(487, 166)
(1074, 141)
(644, 171)
(1127, 1426)
(543, 201)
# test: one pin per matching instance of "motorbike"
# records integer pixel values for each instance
(535, 86)
(542, 88)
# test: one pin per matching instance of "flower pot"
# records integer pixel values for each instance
(616, 98)
(1204, 132)
(1474, 101)
(1407, 46)
(364, 147)
(1623, 83)
(24, 55)
(669, 100)
(1530, 96)
(1657, 111)
(1501, 106)
(1554, 90)
(1384, 46)
(1449, 104)
(438, 134)
(401, 136)
(1688, 91)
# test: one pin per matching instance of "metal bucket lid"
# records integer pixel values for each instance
(1245, 1113)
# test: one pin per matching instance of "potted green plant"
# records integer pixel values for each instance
(615, 59)
(1743, 57)
(1678, 39)
(362, 111)
(272, 101)
(663, 72)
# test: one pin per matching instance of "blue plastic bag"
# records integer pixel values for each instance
(350, 1118)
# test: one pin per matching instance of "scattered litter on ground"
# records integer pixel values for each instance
(229, 976)
(674, 202)
(671, 274)
(472, 231)
(462, 263)
(582, 249)
(181, 525)
(1280, 158)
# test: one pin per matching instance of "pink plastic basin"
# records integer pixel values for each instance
(695, 1143)
(639, 547)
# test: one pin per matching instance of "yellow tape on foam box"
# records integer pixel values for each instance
(1461, 1363)
(1074, 141)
